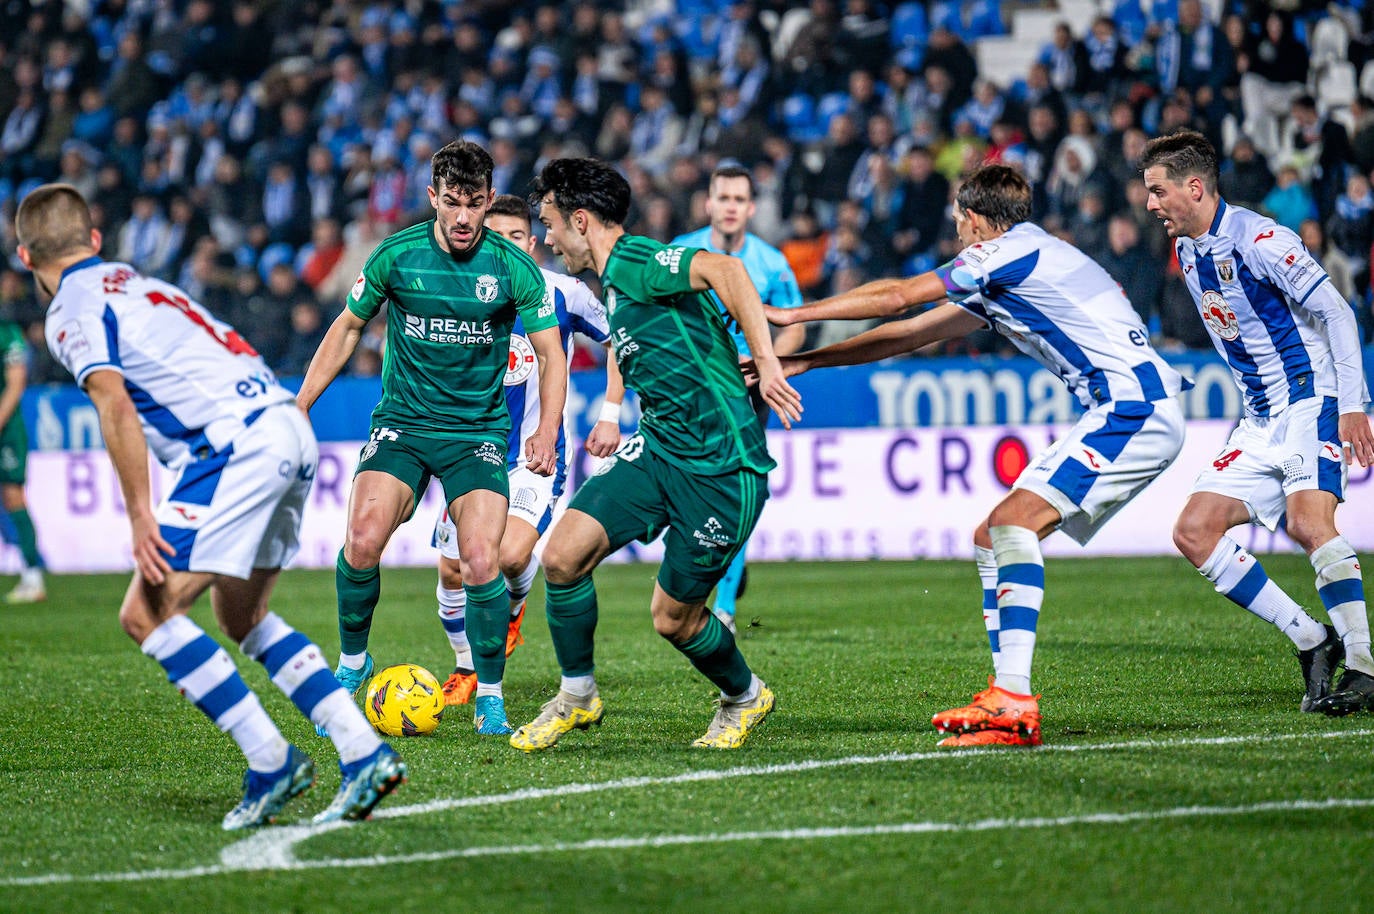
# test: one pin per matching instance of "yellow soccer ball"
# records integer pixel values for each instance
(404, 700)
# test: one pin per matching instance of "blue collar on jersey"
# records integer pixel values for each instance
(1216, 220)
(79, 265)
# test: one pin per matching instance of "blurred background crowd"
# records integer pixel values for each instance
(254, 152)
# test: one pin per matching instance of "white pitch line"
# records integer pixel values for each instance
(789, 834)
(273, 849)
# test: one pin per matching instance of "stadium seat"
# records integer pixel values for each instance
(1335, 86)
(830, 104)
(799, 118)
(1367, 80)
(1131, 21)
(1330, 42)
(909, 25)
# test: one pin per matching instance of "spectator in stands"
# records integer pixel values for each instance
(133, 85)
(655, 131)
(1067, 60)
(1290, 201)
(1107, 72)
(1133, 265)
(317, 260)
(143, 239)
(1338, 266)
(307, 330)
(19, 137)
(1350, 229)
(1275, 75)
(284, 206)
(1320, 147)
(1362, 134)
(830, 183)
(947, 51)
(1245, 176)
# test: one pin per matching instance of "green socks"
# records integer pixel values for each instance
(26, 539)
(714, 653)
(571, 609)
(488, 619)
(358, 590)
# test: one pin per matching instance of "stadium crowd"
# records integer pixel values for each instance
(255, 152)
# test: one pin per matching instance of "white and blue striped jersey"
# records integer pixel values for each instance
(1063, 310)
(195, 382)
(1273, 315)
(578, 311)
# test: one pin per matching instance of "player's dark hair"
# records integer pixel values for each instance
(510, 205)
(462, 166)
(733, 171)
(997, 193)
(53, 221)
(588, 184)
(1184, 154)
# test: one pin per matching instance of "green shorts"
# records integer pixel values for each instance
(460, 464)
(637, 493)
(14, 452)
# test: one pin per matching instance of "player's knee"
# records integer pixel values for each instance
(514, 562)
(1194, 540)
(561, 565)
(363, 548)
(1309, 532)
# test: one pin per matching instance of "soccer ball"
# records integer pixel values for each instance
(404, 700)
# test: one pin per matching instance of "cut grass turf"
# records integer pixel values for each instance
(1177, 775)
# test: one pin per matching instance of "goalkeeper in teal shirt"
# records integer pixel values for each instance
(730, 206)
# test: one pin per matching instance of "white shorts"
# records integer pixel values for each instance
(1266, 460)
(532, 500)
(1112, 453)
(240, 508)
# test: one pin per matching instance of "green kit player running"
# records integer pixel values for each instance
(15, 524)
(698, 467)
(453, 290)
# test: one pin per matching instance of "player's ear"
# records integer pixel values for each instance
(97, 239)
(24, 257)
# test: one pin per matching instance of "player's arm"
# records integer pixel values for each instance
(16, 378)
(879, 298)
(337, 347)
(784, 292)
(605, 434)
(727, 277)
(1343, 336)
(128, 450)
(541, 448)
(886, 340)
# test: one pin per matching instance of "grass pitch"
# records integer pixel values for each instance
(1177, 773)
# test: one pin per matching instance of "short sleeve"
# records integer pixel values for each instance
(667, 274)
(533, 296)
(1284, 260)
(369, 290)
(587, 314)
(84, 343)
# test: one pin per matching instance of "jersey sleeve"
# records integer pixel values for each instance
(83, 343)
(587, 314)
(369, 290)
(783, 292)
(533, 296)
(1283, 259)
(667, 274)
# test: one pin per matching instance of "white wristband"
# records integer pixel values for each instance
(610, 412)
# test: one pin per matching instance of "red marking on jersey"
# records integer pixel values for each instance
(1092, 461)
(1263, 235)
(1003, 592)
(1331, 449)
(184, 513)
(1241, 560)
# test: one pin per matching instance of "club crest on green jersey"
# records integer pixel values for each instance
(486, 288)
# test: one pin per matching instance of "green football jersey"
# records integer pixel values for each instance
(13, 349)
(674, 351)
(448, 329)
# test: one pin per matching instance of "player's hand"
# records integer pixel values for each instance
(541, 456)
(148, 549)
(604, 439)
(776, 392)
(791, 365)
(1357, 440)
(779, 317)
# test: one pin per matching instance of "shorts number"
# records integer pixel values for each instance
(1225, 460)
(631, 449)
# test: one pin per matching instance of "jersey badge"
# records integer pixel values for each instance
(1226, 269)
(610, 300)
(415, 326)
(1298, 267)
(486, 288)
(1219, 316)
(358, 285)
(670, 259)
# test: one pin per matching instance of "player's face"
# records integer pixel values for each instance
(513, 228)
(459, 216)
(1175, 203)
(963, 226)
(730, 205)
(563, 236)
